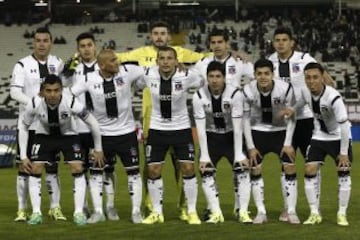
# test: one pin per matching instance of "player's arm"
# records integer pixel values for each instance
(188, 56)
(17, 84)
(200, 122)
(290, 126)
(130, 56)
(195, 79)
(79, 86)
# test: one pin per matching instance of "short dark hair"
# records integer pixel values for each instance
(264, 63)
(85, 35)
(219, 32)
(283, 30)
(43, 30)
(51, 79)
(216, 66)
(159, 24)
(166, 49)
(314, 65)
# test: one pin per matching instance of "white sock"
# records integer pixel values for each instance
(257, 186)
(22, 189)
(211, 193)
(109, 186)
(310, 192)
(135, 191)
(244, 186)
(283, 189)
(291, 193)
(53, 185)
(236, 192)
(156, 190)
(191, 191)
(35, 193)
(344, 193)
(318, 189)
(96, 190)
(79, 192)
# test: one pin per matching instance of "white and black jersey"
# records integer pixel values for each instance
(329, 112)
(111, 99)
(291, 70)
(218, 110)
(169, 109)
(264, 108)
(236, 69)
(80, 75)
(56, 121)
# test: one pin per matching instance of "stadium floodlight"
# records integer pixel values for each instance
(77, 1)
(41, 3)
(194, 3)
(118, 1)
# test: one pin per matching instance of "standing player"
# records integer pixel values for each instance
(218, 110)
(288, 66)
(235, 71)
(146, 56)
(27, 76)
(264, 102)
(110, 91)
(331, 137)
(170, 127)
(55, 132)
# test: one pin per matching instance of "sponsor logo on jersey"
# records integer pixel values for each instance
(96, 86)
(165, 97)
(153, 85)
(33, 70)
(119, 81)
(110, 95)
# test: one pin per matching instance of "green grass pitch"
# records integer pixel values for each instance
(173, 228)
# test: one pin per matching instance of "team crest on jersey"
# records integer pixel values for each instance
(324, 109)
(277, 101)
(64, 115)
(52, 69)
(178, 86)
(226, 105)
(295, 68)
(232, 70)
(119, 81)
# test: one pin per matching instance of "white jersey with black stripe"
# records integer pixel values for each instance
(236, 70)
(123, 82)
(81, 76)
(281, 96)
(231, 107)
(180, 83)
(26, 76)
(297, 62)
(69, 107)
(332, 112)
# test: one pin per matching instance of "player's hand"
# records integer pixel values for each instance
(241, 165)
(181, 67)
(206, 166)
(70, 66)
(344, 163)
(242, 55)
(289, 151)
(99, 159)
(27, 165)
(287, 113)
(254, 154)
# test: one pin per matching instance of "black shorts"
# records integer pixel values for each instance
(46, 148)
(266, 142)
(319, 149)
(125, 146)
(302, 134)
(87, 144)
(28, 150)
(160, 141)
(220, 145)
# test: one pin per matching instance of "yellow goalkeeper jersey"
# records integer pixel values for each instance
(146, 57)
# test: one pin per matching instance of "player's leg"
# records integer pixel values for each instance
(155, 154)
(87, 146)
(35, 192)
(73, 155)
(129, 154)
(291, 190)
(315, 158)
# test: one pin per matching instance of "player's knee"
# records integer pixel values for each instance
(256, 170)
(76, 168)
(51, 168)
(187, 169)
(311, 169)
(154, 171)
(289, 169)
